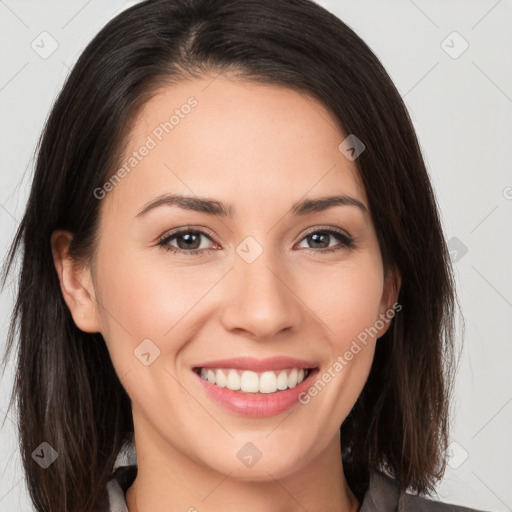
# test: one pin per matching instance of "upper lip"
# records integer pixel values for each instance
(258, 365)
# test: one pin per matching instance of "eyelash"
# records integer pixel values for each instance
(346, 241)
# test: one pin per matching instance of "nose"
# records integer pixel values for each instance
(259, 300)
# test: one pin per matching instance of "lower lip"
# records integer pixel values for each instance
(257, 404)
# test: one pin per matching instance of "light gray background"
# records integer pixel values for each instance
(462, 110)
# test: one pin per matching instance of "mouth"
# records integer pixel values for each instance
(252, 382)
(256, 388)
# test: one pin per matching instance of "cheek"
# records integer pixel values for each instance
(346, 298)
(145, 297)
(146, 294)
(136, 301)
(142, 305)
(346, 301)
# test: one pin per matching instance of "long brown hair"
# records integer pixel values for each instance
(67, 391)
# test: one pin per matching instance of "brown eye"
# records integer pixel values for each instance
(187, 241)
(321, 238)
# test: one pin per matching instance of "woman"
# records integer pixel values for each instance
(233, 262)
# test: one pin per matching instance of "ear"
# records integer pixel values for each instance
(76, 284)
(389, 306)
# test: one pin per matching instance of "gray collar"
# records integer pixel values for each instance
(382, 495)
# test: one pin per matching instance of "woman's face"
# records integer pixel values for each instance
(275, 277)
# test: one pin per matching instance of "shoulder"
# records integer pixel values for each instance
(410, 502)
(383, 496)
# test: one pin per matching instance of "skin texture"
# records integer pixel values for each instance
(260, 149)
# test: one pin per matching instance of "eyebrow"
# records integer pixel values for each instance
(213, 207)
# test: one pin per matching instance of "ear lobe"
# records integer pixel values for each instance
(76, 283)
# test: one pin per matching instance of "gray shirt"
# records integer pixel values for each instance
(382, 495)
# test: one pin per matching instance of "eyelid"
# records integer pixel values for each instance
(340, 231)
(183, 229)
(346, 241)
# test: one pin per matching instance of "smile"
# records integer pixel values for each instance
(248, 381)
(258, 394)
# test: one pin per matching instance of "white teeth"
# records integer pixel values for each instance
(248, 381)
(292, 378)
(220, 379)
(282, 380)
(233, 381)
(268, 382)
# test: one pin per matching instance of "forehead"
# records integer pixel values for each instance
(226, 137)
